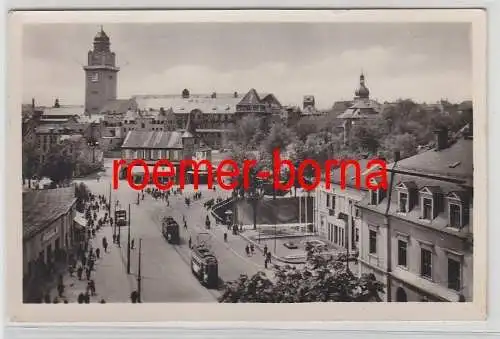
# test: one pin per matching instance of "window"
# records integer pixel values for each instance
(402, 250)
(403, 202)
(373, 242)
(427, 209)
(455, 216)
(94, 77)
(336, 236)
(453, 274)
(373, 197)
(143, 125)
(328, 200)
(425, 263)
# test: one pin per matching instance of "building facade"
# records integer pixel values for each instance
(48, 230)
(417, 237)
(101, 75)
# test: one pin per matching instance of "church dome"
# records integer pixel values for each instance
(362, 91)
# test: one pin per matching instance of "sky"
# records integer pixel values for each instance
(425, 62)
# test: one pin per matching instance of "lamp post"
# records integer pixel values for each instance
(139, 274)
(128, 242)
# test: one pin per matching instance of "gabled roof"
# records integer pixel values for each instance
(153, 140)
(407, 185)
(431, 190)
(251, 98)
(42, 207)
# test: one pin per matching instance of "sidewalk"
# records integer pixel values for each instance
(112, 282)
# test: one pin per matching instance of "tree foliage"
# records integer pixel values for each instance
(31, 160)
(322, 279)
(58, 166)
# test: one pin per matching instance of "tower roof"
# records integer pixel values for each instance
(362, 91)
(101, 35)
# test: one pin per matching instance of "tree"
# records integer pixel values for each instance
(322, 279)
(248, 131)
(59, 166)
(404, 143)
(30, 161)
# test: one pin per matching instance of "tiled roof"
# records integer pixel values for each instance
(118, 106)
(153, 139)
(42, 207)
(221, 104)
(251, 98)
(455, 161)
(64, 111)
(361, 109)
(434, 165)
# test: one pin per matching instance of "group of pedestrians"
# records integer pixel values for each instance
(83, 264)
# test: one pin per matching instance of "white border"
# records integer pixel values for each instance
(249, 312)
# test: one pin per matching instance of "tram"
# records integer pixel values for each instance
(204, 266)
(170, 230)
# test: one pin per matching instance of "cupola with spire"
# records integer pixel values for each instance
(101, 41)
(362, 91)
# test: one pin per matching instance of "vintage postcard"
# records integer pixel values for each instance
(247, 165)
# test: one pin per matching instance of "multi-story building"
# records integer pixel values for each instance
(48, 235)
(266, 105)
(418, 238)
(152, 146)
(337, 217)
(86, 156)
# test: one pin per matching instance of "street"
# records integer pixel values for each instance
(165, 268)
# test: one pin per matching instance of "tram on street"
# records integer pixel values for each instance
(121, 218)
(170, 230)
(204, 265)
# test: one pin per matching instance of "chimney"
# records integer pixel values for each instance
(56, 103)
(235, 94)
(33, 103)
(441, 136)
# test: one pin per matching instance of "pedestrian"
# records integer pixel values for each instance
(114, 238)
(92, 287)
(252, 248)
(87, 298)
(79, 272)
(81, 298)
(269, 257)
(98, 253)
(93, 233)
(265, 249)
(70, 270)
(118, 238)
(265, 263)
(247, 250)
(91, 264)
(189, 242)
(134, 296)
(60, 289)
(185, 225)
(132, 244)
(87, 273)
(105, 244)
(225, 237)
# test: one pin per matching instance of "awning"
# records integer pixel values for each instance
(80, 221)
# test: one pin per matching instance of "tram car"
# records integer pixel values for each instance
(204, 266)
(170, 230)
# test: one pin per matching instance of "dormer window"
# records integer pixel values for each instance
(458, 210)
(431, 202)
(407, 196)
(403, 202)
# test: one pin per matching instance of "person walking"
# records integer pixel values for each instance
(105, 244)
(88, 273)
(247, 250)
(98, 253)
(79, 272)
(265, 263)
(252, 249)
(265, 249)
(132, 244)
(225, 237)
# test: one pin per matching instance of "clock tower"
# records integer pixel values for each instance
(100, 74)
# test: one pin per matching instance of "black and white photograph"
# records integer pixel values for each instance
(136, 138)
